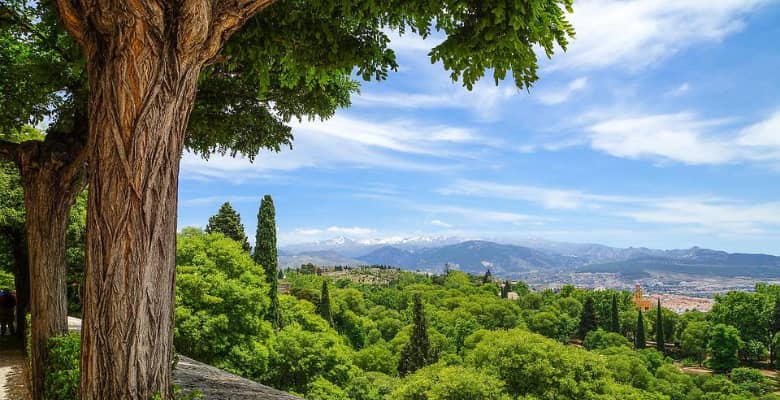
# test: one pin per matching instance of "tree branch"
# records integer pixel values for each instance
(73, 19)
(227, 18)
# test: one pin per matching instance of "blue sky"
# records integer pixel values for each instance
(659, 127)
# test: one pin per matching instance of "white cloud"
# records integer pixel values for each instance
(307, 231)
(680, 90)
(547, 197)
(718, 216)
(765, 133)
(481, 215)
(484, 100)
(562, 95)
(678, 137)
(708, 213)
(402, 136)
(440, 223)
(632, 34)
(413, 43)
(687, 138)
(352, 231)
(351, 142)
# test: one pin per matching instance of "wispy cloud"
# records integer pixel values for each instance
(632, 34)
(710, 213)
(717, 216)
(400, 144)
(307, 231)
(561, 95)
(483, 101)
(680, 90)
(481, 215)
(547, 197)
(440, 223)
(687, 138)
(352, 230)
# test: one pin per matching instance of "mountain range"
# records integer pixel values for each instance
(517, 257)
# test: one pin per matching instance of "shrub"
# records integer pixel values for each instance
(62, 370)
(750, 380)
(600, 339)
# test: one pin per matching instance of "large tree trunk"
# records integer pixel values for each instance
(50, 186)
(143, 60)
(139, 106)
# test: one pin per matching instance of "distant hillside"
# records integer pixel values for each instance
(510, 260)
(321, 258)
(695, 261)
(472, 256)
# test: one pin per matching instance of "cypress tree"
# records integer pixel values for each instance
(614, 326)
(659, 330)
(417, 353)
(488, 277)
(639, 337)
(228, 222)
(506, 289)
(323, 309)
(588, 320)
(266, 255)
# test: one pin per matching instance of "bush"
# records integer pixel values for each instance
(6, 280)
(753, 350)
(62, 370)
(437, 382)
(600, 339)
(221, 298)
(750, 380)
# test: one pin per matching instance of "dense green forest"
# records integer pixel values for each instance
(407, 335)
(376, 333)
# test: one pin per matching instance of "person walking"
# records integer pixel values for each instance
(7, 306)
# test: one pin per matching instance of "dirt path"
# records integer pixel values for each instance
(12, 370)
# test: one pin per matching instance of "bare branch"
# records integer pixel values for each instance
(228, 17)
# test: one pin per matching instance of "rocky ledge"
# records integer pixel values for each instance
(213, 383)
(216, 384)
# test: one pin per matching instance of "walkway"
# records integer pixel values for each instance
(12, 370)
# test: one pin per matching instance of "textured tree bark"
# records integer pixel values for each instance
(141, 93)
(51, 177)
(143, 60)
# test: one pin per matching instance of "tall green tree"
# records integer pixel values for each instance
(220, 303)
(228, 222)
(162, 52)
(266, 255)
(694, 338)
(488, 277)
(724, 344)
(323, 308)
(614, 325)
(506, 289)
(588, 321)
(774, 329)
(417, 353)
(639, 335)
(660, 344)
